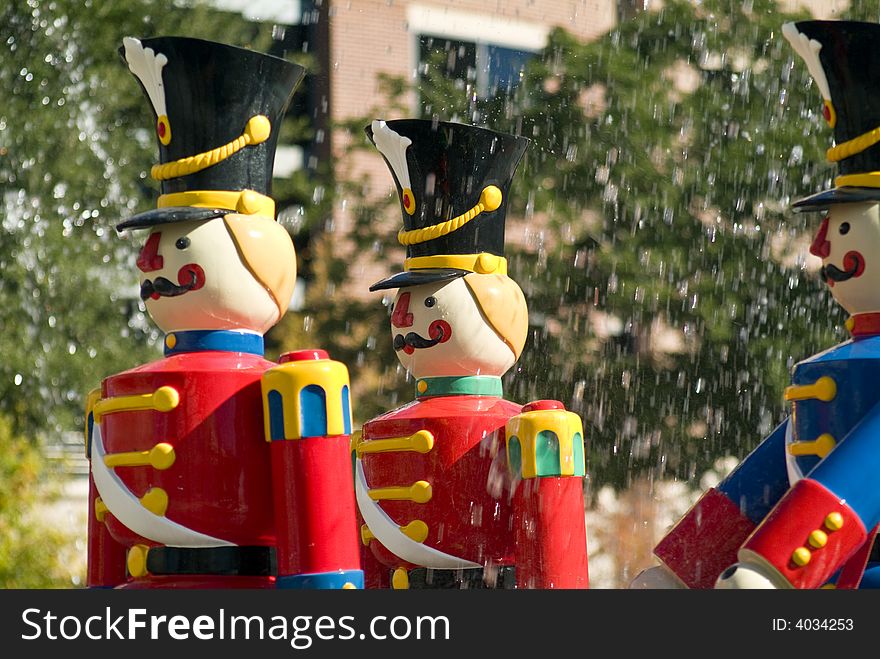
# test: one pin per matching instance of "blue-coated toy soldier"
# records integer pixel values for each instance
(802, 510)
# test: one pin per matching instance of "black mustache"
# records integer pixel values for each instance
(164, 287)
(415, 340)
(834, 273)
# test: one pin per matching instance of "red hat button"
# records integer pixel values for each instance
(313, 354)
(540, 405)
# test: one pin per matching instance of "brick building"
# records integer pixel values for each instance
(485, 42)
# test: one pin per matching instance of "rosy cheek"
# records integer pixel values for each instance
(441, 330)
(854, 261)
(191, 273)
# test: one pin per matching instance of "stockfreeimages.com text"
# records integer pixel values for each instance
(299, 631)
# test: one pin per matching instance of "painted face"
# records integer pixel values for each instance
(438, 330)
(193, 278)
(848, 242)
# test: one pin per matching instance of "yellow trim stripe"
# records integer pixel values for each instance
(420, 442)
(419, 492)
(820, 446)
(416, 531)
(160, 457)
(490, 199)
(164, 399)
(824, 389)
(256, 131)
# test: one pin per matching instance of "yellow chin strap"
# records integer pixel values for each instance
(864, 180)
(246, 202)
(483, 263)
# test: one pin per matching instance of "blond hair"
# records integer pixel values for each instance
(267, 251)
(504, 306)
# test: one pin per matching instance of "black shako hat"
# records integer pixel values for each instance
(843, 57)
(453, 180)
(218, 111)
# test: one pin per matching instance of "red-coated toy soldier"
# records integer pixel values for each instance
(462, 488)
(213, 467)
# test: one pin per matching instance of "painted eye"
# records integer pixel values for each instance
(844, 228)
(430, 301)
(182, 243)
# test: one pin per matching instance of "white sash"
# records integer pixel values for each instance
(388, 532)
(126, 507)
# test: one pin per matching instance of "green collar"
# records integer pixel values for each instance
(468, 385)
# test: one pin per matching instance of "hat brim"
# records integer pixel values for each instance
(416, 277)
(844, 195)
(171, 214)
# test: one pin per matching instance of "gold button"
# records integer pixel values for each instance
(801, 556)
(487, 263)
(137, 560)
(101, 510)
(491, 198)
(165, 398)
(422, 386)
(170, 341)
(400, 579)
(248, 202)
(156, 501)
(818, 539)
(162, 456)
(258, 129)
(834, 521)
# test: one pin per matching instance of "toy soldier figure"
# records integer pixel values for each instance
(462, 488)
(213, 467)
(802, 510)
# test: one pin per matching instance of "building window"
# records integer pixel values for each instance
(486, 51)
(491, 68)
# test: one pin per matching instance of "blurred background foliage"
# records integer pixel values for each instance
(666, 276)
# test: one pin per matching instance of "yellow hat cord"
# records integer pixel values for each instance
(256, 131)
(490, 199)
(853, 146)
